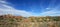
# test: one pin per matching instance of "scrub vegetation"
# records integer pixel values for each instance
(32, 21)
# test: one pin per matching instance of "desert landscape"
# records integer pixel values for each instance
(20, 21)
(29, 13)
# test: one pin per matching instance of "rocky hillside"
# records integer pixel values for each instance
(20, 21)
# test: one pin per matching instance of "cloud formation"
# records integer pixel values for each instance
(6, 9)
(52, 12)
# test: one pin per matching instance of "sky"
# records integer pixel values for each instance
(30, 7)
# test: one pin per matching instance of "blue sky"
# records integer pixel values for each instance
(30, 7)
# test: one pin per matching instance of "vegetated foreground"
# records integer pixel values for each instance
(19, 21)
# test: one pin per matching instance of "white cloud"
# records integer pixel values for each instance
(6, 9)
(47, 8)
(53, 12)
